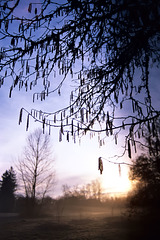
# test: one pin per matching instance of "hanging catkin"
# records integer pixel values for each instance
(43, 125)
(107, 128)
(110, 126)
(86, 116)
(49, 128)
(100, 165)
(60, 136)
(82, 114)
(62, 127)
(64, 113)
(33, 97)
(78, 128)
(129, 149)
(30, 8)
(27, 126)
(108, 117)
(10, 92)
(20, 116)
(116, 139)
(67, 120)
(72, 130)
(68, 136)
(54, 118)
(135, 149)
(74, 138)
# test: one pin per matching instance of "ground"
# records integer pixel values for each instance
(98, 227)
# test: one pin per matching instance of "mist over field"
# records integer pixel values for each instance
(77, 220)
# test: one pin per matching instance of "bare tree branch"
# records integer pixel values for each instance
(100, 46)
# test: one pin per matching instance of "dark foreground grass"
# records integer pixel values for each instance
(90, 228)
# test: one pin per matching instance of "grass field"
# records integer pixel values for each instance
(94, 227)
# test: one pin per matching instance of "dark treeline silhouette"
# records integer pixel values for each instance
(8, 186)
(76, 202)
(145, 172)
(86, 200)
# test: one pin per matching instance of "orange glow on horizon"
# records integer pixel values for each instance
(114, 181)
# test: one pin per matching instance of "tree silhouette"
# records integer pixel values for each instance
(146, 171)
(100, 46)
(35, 167)
(8, 186)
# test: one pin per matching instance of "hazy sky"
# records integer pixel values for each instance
(74, 163)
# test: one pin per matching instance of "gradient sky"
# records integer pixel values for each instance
(75, 164)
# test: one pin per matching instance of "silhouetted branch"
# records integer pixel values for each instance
(97, 45)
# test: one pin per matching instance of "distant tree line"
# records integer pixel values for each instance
(75, 199)
(36, 179)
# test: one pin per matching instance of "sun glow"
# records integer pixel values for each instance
(115, 180)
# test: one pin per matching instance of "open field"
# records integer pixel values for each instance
(97, 227)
